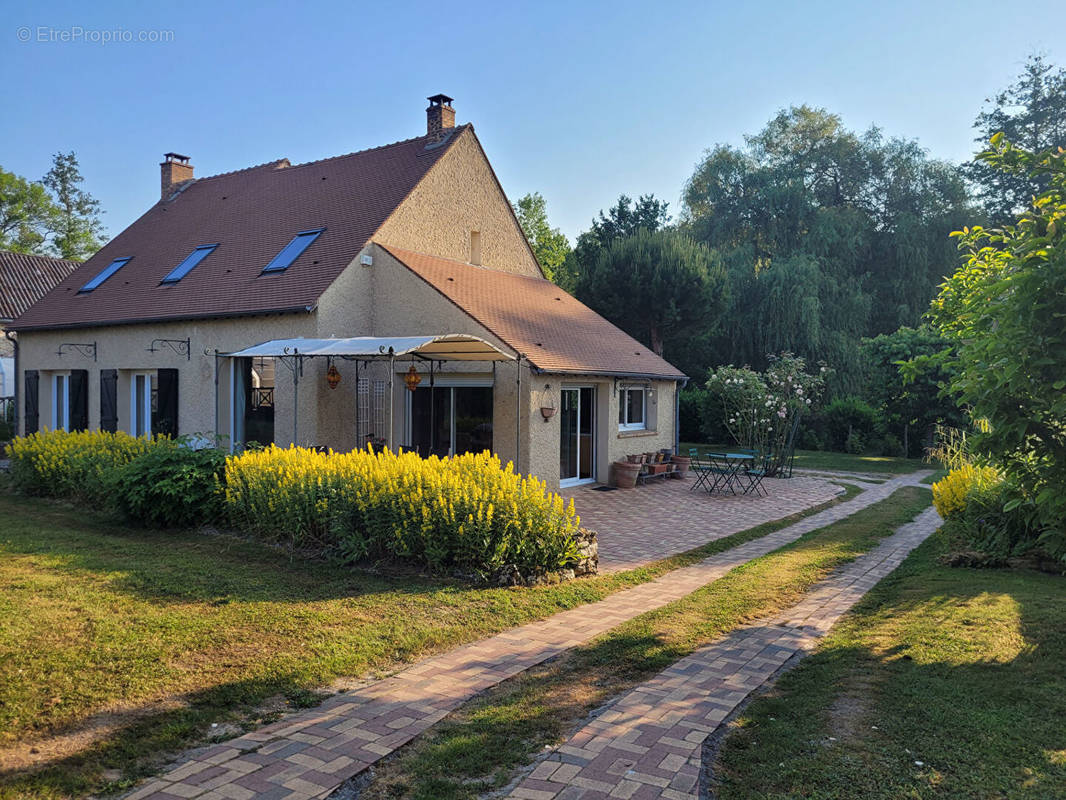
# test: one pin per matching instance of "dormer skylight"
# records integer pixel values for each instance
(189, 264)
(104, 274)
(292, 250)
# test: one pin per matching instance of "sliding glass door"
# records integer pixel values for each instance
(450, 420)
(577, 442)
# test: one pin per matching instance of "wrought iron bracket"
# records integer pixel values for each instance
(85, 349)
(183, 347)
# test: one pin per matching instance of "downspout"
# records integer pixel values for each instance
(518, 420)
(15, 343)
(677, 415)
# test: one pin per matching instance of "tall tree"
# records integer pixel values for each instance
(25, 212)
(1031, 113)
(828, 236)
(549, 244)
(623, 219)
(76, 229)
(661, 287)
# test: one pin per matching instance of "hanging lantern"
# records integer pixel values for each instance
(412, 379)
(333, 376)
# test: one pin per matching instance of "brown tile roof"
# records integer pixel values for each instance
(251, 214)
(25, 279)
(536, 318)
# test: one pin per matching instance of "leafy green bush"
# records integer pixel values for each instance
(79, 465)
(172, 487)
(848, 417)
(466, 512)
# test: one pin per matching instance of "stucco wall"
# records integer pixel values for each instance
(457, 196)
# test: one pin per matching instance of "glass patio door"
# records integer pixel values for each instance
(577, 422)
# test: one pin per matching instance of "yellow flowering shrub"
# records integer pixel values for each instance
(950, 493)
(77, 464)
(467, 512)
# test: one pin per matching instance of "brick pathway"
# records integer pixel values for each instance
(644, 524)
(311, 753)
(646, 744)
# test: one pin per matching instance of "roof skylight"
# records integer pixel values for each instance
(189, 264)
(104, 274)
(292, 250)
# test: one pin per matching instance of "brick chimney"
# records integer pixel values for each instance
(173, 172)
(440, 116)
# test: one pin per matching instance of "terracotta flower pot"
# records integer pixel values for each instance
(625, 474)
(681, 465)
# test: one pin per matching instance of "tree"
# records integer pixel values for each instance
(75, 227)
(549, 245)
(25, 211)
(1003, 311)
(1031, 113)
(906, 375)
(623, 219)
(661, 287)
(828, 236)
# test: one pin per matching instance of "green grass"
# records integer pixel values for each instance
(158, 635)
(936, 476)
(839, 462)
(960, 669)
(476, 749)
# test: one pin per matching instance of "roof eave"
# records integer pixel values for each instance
(305, 309)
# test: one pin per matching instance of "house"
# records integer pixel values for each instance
(24, 279)
(277, 304)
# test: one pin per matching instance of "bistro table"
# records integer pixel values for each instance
(726, 468)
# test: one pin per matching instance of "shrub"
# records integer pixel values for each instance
(466, 512)
(952, 493)
(846, 416)
(171, 487)
(79, 465)
(854, 444)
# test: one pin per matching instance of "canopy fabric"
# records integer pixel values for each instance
(444, 347)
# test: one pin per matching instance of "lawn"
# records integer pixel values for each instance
(836, 462)
(945, 682)
(118, 645)
(476, 750)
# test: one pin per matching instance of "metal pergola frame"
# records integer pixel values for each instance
(377, 349)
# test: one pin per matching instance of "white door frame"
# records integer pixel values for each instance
(144, 413)
(567, 482)
(61, 413)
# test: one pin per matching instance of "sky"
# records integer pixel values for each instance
(581, 101)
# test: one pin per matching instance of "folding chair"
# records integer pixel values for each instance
(759, 470)
(701, 470)
(724, 471)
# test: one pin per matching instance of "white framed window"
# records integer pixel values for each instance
(61, 402)
(141, 403)
(632, 409)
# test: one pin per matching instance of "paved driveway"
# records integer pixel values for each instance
(644, 524)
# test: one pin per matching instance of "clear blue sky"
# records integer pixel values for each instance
(578, 100)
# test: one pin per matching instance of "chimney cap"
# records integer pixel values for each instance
(440, 100)
(176, 157)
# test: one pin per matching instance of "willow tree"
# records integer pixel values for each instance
(661, 287)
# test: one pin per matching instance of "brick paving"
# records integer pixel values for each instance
(636, 526)
(310, 754)
(646, 744)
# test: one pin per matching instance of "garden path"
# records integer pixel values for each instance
(645, 745)
(311, 753)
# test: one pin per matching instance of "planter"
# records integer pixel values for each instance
(624, 474)
(681, 465)
(637, 459)
(658, 469)
(547, 412)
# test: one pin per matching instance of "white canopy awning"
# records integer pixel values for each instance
(444, 347)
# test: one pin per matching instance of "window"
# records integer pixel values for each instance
(292, 250)
(141, 396)
(104, 274)
(60, 402)
(189, 264)
(631, 412)
(475, 248)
